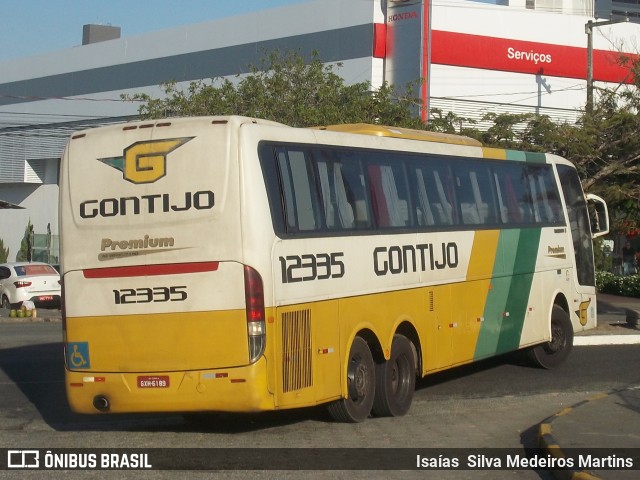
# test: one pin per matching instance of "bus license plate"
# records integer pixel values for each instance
(153, 381)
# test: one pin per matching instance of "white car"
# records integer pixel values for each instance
(35, 281)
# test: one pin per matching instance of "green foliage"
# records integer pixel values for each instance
(502, 133)
(287, 89)
(452, 123)
(23, 254)
(602, 255)
(627, 286)
(4, 252)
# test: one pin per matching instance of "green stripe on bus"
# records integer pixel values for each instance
(498, 295)
(517, 156)
(507, 301)
(529, 157)
(520, 290)
(536, 157)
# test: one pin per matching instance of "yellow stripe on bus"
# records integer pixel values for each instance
(495, 153)
(483, 254)
(471, 296)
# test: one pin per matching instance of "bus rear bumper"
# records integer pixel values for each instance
(241, 389)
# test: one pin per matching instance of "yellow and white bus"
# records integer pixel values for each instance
(234, 264)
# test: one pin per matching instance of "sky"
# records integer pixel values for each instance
(32, 27)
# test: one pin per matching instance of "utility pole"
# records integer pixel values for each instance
(588, 29)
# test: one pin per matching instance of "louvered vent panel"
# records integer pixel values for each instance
(296, 345)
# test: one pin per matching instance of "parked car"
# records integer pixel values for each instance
(35, 281)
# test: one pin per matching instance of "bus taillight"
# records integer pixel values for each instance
(254, 301)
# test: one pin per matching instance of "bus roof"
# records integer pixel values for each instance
(398, 132)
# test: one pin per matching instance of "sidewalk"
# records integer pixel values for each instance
(617, 322)
(604, 420)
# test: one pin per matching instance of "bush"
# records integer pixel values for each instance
(628, 286)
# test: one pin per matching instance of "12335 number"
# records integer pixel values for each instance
(150, 295)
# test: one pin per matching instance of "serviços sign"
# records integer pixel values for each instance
(518, 56)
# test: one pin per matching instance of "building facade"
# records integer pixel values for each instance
(514, 56)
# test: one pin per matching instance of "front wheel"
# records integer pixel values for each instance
(395, 380)
(361, 379)
(554, 352)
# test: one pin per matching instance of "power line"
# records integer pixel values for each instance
(83, 99)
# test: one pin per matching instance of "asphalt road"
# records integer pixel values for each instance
(496, 403)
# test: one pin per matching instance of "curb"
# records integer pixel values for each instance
(548, 443)
(47, 316)
(590, 340)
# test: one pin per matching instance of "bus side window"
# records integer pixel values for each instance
(353, 181)
(301, 210)
(514, 197)
(432, 192)
(445, 207)
(424, 211)
(329, 202)
(389, 195)
(342, 191)
(345, 201)
(475, 193)
(547, 197)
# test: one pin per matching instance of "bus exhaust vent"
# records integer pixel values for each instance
(296, 346)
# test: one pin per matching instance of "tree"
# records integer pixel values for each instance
(4, 252)
(612, 165)
(451, 123)
(287, 89)
(26, 246)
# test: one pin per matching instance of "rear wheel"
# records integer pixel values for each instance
(361, 379)
(395, 380)
(554, 352)
(5, 303)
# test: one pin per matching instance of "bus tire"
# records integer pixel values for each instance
(553, 353)
(395, 380)
(361, 379)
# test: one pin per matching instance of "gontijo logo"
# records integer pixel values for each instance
(145, 162)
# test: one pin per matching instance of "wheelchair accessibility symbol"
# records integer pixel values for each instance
(78, 355)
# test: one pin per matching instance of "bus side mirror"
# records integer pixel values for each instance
(598, 214)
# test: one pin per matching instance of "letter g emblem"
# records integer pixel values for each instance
(146, 162)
